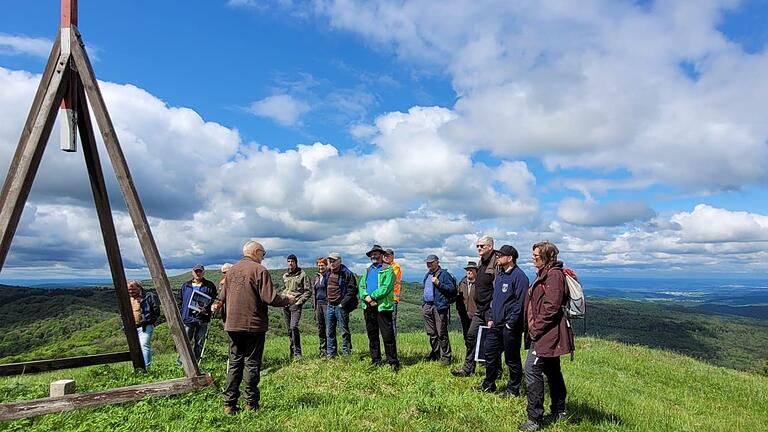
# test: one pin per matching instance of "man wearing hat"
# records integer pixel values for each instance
(439, 287)
(342, 299)
(297, 284)
(194, 302)
(465, 306)
(376, 288)
(506, 323)
(389, 258)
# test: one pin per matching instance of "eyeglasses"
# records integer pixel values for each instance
(481, 246)
(262, 251)
(198, 271)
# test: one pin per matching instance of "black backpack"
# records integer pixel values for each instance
(450, 296)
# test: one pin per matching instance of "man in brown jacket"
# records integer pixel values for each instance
(548, 336)
(465, 306)
(249, 291)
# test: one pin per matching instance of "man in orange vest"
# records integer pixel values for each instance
(389, 258)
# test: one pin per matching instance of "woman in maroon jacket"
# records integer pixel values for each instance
(548, 335)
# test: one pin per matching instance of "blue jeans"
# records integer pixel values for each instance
(145, 335)
(337, 315)
(196, 334)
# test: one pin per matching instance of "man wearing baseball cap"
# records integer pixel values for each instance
(342, 299)
(376, 288)
(506, 323)
(196, 315)
(439, 287)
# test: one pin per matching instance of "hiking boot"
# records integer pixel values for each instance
(460, 373)
(396, 367)
(529, 425)
(509, 394)
(230, 410)
(376, 363)
(445, 361)
(249, 407)
(556, 417)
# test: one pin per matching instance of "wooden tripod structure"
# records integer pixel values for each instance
(67, 80)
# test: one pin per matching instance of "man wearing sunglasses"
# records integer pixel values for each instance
(486, 273)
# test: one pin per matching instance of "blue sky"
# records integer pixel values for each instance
(632, 134)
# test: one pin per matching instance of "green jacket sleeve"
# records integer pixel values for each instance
(361, 287)
(386, 284)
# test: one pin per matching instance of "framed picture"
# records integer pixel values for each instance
(482, 333)
(199, 301)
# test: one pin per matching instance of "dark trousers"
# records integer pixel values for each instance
(536, 368)
(464, 317)
(380, 322)
(436, 325)
(394, 319)
(338, 316)
(321, 312)
(470, 340)
(292, 315)
(245, 352)
(501, 339)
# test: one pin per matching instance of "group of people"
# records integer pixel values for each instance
(495, 295)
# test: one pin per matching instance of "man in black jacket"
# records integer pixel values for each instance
(486, 274)
(194, 301)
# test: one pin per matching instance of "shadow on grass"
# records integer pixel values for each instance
(579, 412)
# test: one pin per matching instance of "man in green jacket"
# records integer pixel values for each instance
(297, 284)
(377, 287)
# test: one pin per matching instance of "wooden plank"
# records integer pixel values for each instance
(135, 209)
(108, 232)
(63, 363)
(68, 13)
(23, 409)
(32, 143)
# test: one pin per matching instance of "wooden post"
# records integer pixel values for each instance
(68, 13)
(135, 209)
(104, 212)
(63, 363)
(31, 408)
(31, 146)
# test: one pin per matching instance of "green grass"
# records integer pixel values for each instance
(612, 387)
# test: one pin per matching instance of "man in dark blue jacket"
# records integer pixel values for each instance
(506, 323)
(341, 292)
(194, 301)
(439, 288)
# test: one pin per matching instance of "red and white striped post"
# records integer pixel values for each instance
(68, 111)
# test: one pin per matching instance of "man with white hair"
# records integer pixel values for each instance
(486, 274)
(249, 291)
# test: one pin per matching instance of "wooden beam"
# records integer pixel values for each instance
(32, 143)
(108, 232)
(68, 13)
(23, 409)
(135, 209)
(63, 363)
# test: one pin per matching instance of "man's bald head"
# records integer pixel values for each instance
(254, 249)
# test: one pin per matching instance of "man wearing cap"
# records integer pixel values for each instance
(486, 273)
(249, 291)
(506, 323)
(342, 299)
(217, 305)
(465, 306)
(439, 286)
(376, 288)
(194, 301)
(389, 258)
(296, 283)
